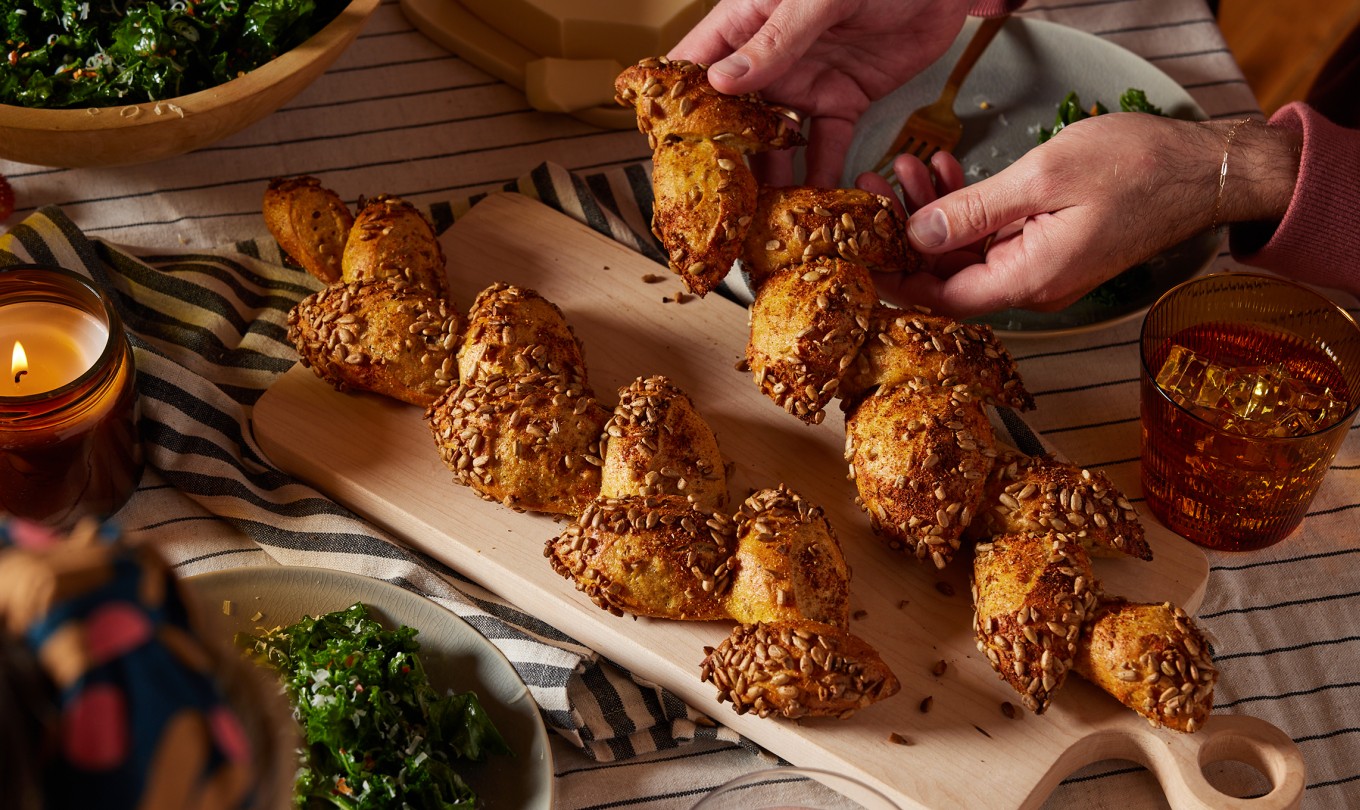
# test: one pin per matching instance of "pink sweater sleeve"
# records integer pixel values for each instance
(993, 8)
(1319, 238)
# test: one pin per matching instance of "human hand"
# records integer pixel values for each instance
(921, 185)
(1105, 194)
(829, 59)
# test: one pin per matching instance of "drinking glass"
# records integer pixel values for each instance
(1249, 385)
(790, 788)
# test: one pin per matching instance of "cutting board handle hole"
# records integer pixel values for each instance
(1246, 758)
(1235, 778)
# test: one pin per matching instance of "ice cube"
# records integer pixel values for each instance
(1190, 379)
(1257, 401)
(1293, 422)
(1318, 401)
(1255, 393)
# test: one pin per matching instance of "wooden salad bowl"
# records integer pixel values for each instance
(153, 130)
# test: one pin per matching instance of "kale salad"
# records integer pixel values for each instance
(376, 734)
(103, 53)
(1070, 110)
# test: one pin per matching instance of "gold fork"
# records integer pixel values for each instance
(936, 126)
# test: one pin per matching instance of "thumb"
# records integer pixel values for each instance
(969, 215)
(776, 46)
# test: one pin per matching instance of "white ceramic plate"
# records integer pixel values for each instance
(1014, 89)
(455, 655)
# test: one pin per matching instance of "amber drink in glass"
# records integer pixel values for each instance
(1249, 385)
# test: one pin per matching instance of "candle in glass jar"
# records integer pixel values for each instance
(48, 345)
(68, 404)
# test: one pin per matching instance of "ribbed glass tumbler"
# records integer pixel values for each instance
(1249, 385)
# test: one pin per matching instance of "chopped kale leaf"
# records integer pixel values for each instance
(376, 733)
(1070, 109)
(100, 53)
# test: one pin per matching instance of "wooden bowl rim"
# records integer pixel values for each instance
(101, 119)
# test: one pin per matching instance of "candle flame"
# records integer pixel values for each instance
(18, 365)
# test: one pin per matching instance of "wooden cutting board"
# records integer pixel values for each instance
(376, 456)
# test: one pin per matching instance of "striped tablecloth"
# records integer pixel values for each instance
(182, 244)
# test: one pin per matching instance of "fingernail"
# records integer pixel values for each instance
(734, 66)
(930, 229)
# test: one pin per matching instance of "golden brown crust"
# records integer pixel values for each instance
(530, 442)
(648, 556)
(1152, 659)
(391, 238)
(807, 324)
(920, 460)
(1042, 493)
(911, 345)
(793, 225)
(514, 330)
(310, 222)
(797, 669)
(789, 563)
(1031, 595)
(704, 198)
(656, 443)
(674, 101)
(386, 336)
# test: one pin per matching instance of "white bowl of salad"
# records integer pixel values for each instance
(93, 84)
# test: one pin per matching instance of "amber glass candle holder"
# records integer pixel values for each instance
(69, 446)
(1250, 384)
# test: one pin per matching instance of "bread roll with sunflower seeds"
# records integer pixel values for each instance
(514, 330)
(674, 101)
(530, 442)
(789, 563)
(913, 345)
(795, 224)
(310, 222)
(1042, 494)
(656, 443)
(386, 336)
(658, 556)
(920, 459)
(807, 325)
(1032, 595)
(1153, 659)
(705, 196)
(797, 669)
(391, 238)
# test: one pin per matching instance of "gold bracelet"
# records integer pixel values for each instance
(1223, 173)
